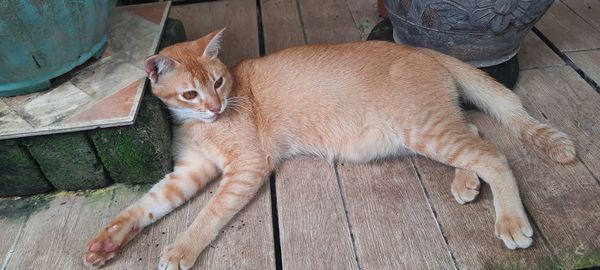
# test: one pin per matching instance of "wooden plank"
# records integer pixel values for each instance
(589, 10)
(469, 228)
(312, 222)
(282, 27)
(240, 40)
(534, 53)
(567, 30)
(13, 214)
(390, 218)
(327, 21)
(10, 233)
(588, 62)
(194, 17)
(365, 15)
(54, 238)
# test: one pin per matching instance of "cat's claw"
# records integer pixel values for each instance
(107, 243)
(514, 230)
(177, 257)
(465, 186)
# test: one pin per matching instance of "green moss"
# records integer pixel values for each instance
(68, 161)
(544, 264)
(20, 175)
(18, 208)
(140, 153)
(582, 257)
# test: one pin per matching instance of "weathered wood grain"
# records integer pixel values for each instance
(194, 17)
(365, 15)
(282, 27)
(240, 40)
(567, 30)
(55, 237)
(588, 62)
(12, 222)
(469, 228)
(589, 10)
(390, 218)
(327, 21)
(312, 221)
(534, 53)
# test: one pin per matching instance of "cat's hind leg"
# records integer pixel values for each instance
(192, 172)
(465, 185)
(452, 143)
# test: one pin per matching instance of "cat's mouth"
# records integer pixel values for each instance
(184, 114)
(210, 119)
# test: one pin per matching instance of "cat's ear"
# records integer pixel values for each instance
(213, 45)
(158, 65)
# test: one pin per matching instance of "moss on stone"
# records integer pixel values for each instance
(20, 175)
(140, 153)
(68, 161)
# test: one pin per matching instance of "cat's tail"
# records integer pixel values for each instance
(504, 105)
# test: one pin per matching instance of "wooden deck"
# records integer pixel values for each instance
(395, 214)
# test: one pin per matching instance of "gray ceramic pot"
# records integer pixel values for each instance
(482, 32)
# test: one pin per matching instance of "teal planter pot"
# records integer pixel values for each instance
(41, 40)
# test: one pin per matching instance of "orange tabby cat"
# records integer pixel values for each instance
(353, 102)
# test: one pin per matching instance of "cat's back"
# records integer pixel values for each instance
(324, 72)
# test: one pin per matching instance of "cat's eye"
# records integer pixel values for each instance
(189, 95)
(219, 82)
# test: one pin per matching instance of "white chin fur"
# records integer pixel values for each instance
(182, 115)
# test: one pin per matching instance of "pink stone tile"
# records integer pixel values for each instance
(118, 105)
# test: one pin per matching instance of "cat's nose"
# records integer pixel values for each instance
(216, 109)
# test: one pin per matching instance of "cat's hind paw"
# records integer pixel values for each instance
(465, 186)
(514, 230)
(177, 256)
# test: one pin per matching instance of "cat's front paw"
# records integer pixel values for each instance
(514, 230)
(106, 244)
(465, 186)
(178, 256)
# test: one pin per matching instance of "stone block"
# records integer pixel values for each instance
(19, 174)
(68, 161)
(140, 153)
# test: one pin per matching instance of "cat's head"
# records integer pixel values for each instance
(190, 79)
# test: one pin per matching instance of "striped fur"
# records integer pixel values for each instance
(353, 102)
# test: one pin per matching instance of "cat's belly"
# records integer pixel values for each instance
(369, 143)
